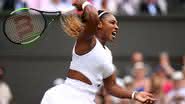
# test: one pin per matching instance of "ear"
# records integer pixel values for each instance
(100, 25)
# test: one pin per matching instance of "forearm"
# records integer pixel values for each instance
(114, 89)
(90, 18)
(119, 91)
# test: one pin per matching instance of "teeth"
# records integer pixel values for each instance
(113, 36)
(114, 33)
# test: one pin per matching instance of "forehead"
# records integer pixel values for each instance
(110, 17)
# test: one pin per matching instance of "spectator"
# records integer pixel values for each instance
(33, 3)
(166, 83)
(109, 5)
(137, 57)
(20, 4)
(177, 95)
(183, 70)
(98, 3)
(5, 93)
(156, 85)
(163, 6)
(150, 7)
(154, 7)
(112, 5)
(56, 5)
(165, 63)
(129, 7)
(165, 71)
(140, 81)
(128, 83)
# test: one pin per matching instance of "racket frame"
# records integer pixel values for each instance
(43, 14)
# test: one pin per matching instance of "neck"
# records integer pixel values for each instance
(101, 39)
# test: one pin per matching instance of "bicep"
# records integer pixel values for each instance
(110, 81)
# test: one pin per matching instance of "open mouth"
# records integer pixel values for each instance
(114, 34)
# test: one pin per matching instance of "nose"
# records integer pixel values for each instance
(116, 27)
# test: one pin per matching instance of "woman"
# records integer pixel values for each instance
(91, 63)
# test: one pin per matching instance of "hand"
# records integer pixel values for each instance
(145, 98)
(78, 3)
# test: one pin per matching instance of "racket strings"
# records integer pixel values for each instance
(23, 26)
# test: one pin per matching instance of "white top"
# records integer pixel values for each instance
(178, 92)
(5, 93)
(95, 65)
(48, 5)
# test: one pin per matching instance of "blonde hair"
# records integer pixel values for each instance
(72, 25)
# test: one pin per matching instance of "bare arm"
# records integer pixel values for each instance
(90, 17)
(86, 41)
(116, 90)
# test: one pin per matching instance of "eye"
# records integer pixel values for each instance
(112, 22)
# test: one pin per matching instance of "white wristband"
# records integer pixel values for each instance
(133, 95)
(85, 4)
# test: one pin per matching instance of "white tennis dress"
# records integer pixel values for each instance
(95, 65)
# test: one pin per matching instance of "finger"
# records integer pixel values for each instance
(74, 1)
(149, 101)
(146, 102)
(151, 98)
(150, 95)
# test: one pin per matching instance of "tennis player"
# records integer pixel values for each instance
(91, 64)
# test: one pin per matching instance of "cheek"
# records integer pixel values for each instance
(108, 30)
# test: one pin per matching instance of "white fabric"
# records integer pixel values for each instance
(47, 5)
(71, 92)
(97, 4)
(5, 93)
(102, 13)
(112, 6)
(176, 92)
(33, 3)
(95, 65)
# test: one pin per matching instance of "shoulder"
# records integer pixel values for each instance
(3, 85)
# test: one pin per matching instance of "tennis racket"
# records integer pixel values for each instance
(26, 25)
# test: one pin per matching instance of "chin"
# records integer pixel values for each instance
(112, 39)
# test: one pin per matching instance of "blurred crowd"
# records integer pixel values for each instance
(6, 96)
(164, 80)
(118, 7)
